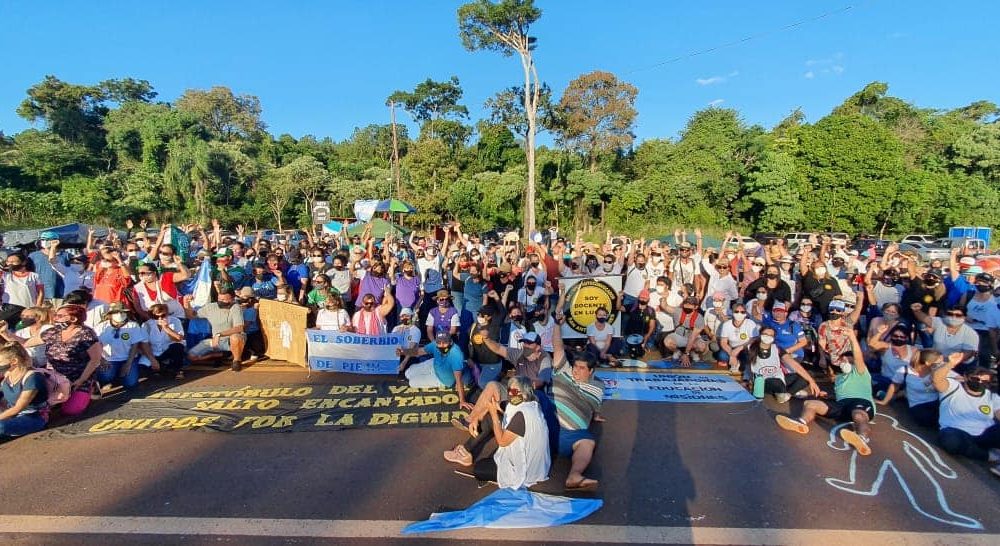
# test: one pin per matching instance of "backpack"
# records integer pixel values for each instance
(58, 385)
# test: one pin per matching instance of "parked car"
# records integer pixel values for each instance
(974, 246)
(918, 238)
(925, 251)
(798, 237)
(837, 237)
(862, 245)
(748, 243)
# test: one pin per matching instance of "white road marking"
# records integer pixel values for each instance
(383, 529)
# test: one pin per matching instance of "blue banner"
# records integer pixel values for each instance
(510, 509)
(353, 353)
(672, 387)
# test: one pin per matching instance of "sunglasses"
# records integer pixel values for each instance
(159, 316)
(898, 338)
(954, 314)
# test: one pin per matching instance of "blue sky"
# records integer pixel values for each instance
(326, 67)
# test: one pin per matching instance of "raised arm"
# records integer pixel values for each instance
(939, 374)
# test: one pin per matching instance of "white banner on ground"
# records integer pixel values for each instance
(353, 353)
(672, 387)
(584, 295)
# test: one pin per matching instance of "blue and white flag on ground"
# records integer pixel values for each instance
(510, 509)
(202, 292)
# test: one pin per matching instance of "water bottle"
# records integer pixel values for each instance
(758, 387)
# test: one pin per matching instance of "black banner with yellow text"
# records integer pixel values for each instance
(285, 408)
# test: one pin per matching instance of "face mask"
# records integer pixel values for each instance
(443, 303)
(119, 317)
(983, 288)
(444, 350)
(805, 308)
(515, 399)
(77, 267)
(975, 384)
(317, 259)
(889, 281)
(482, 321)
(225, 305)
(930, 283)
(408, 272)
(834, 315)
(897, 342)
(772, 276)
(739, 316)
(820, 271)
(282, 297)
(717, 304)
(954, 321)
(26, 321)
(602, 320)
(60, 324)
(431, 253)
(661, 289)
(766, 339)
(607, 267)
(891, 317)
(530, 286)
(404, 320)
(756, 268)
(516, 318)
(687, 310)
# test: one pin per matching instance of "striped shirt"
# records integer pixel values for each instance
(576, 403)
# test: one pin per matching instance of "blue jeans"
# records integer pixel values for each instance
(22, 424)
(113, 371)
(458, 300)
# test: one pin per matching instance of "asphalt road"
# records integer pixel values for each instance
(682, 468)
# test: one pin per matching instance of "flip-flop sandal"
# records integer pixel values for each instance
(856, 441)
(585, 484)
(460, 424)
(793, 425)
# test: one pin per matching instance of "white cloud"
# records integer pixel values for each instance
(734, 73)
(809, 75)
(837, 69)
(710, 81)
(832, 65)
(716, 102)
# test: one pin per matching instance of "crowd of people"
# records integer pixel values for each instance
(485, 317)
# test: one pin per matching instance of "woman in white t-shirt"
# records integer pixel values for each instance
(34, 321)
(332, 316)
(734, 337)
(600, 337)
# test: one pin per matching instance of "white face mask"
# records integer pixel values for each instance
(805, 308)
(317, 259)
(119, 317)
(608, 267)
(767, 340)
(661, 289)
(282, 297)
(756, 268)
(761, 297)
(820, 271)
(739, 316)
(717, 304)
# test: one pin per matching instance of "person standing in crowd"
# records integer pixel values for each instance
(154, 288)
(983, 311)
(111, 277)
(44, 260)
(370, 319)
(21, 288)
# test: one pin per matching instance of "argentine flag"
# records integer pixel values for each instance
(202, 293)
(510, 509)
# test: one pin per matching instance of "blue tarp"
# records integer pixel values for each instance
(510, 509)
(69, 234)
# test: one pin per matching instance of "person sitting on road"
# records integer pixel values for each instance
(917, 381)
(577, 395)
(969, 413)
(411, 336)
(854, 403)
(166, 340)
(445, 369)
(34, 321)
(734, 337)
(25, 394)
(601, 340)
(226, 320)
(123, 340)
(686, 338)
(781, 373)
(895, 359)
(522, 457)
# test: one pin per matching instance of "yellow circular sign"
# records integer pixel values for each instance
(985, 409)
(582, 301)
(477, 338)
(928, 298)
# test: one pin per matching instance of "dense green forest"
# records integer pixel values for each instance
(110, 151)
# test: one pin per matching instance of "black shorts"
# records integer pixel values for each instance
(841, 410)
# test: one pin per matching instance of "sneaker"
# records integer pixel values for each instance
(793, 425)
(458, 456)
(802, 394)
(855, 440)
(995, 470)
(782, 397)
(236, 366)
